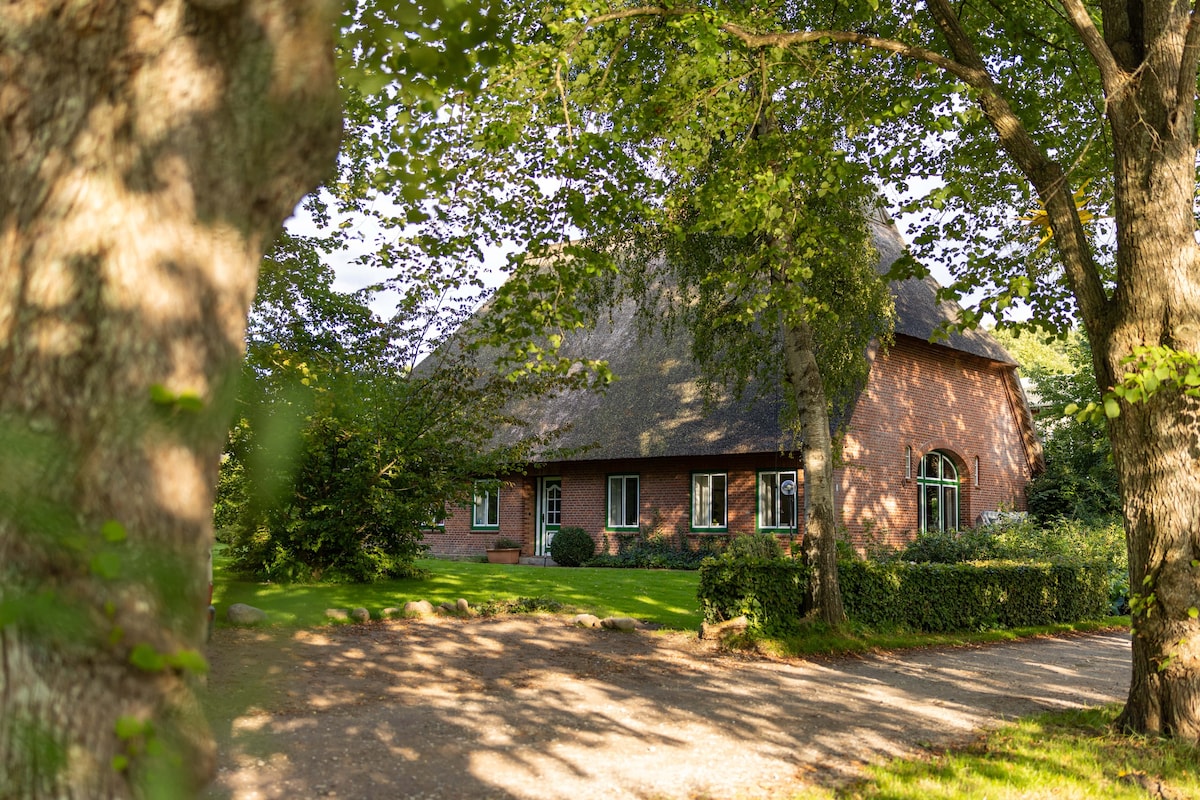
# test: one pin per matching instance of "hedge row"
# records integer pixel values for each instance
(767, 591)
(923, 597)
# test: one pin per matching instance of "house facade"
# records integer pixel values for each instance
(940, 434)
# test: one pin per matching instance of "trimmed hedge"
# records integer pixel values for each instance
(768, 592)
(923, 597)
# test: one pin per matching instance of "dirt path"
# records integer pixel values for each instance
(531, 708)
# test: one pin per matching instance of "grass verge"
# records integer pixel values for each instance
(1069, 755)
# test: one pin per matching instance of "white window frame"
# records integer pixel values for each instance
(705, 504)
(770, 496)
(485, 507)
(617, 488)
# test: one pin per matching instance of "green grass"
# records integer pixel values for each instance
(1070, 755)
(665, 597)
(816, 639)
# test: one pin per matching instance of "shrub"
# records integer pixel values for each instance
(945, 597)
(656, 548)
(761, 545)
(571, 547)
(505, 543)
(949, 547)
(768, 591)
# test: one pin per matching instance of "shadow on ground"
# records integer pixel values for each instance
(529, 707)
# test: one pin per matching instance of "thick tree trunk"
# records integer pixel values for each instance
(1156, 444)
(819, 546)
(149, 151)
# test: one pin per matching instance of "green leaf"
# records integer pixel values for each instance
(128, 727)
(146, 658)
(189, 660)
(106, 565)
(113, 532)
(1194, 612)
(1111, 409)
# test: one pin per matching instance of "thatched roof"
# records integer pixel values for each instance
(655, 408)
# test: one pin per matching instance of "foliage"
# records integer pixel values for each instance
(505, 543)
(1060, 541)
(976, 596)
(769, 591)
(754, 546)
(572, 547)
(655, 547)
(342, 453)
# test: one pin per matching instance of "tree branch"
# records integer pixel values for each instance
(1046, 176)
(1185, 90)
(1114, 77)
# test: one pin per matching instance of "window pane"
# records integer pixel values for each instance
(615, 489)
(717, 517)
(932, 466)
(493, 501)
(768, 500)
(787, 505)
(701, 497)
(932, 517)
(631, 501)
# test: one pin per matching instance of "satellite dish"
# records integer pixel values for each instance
(788, 488)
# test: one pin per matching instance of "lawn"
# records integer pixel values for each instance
(1070, 755)
(666, 597)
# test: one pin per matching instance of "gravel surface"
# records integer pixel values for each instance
(532, 708)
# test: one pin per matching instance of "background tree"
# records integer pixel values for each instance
(343, 454)
(710, 188)
(1080, 481)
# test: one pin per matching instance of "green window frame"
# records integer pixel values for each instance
(485, 508)
(937, 493)
(623, 499)
(776, 510)
(710, 501)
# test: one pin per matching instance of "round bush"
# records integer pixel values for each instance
(571, 547)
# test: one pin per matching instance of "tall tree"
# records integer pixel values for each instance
(149, 153)
(713, 189)
(1090, 111)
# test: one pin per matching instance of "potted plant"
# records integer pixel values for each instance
(504, 551)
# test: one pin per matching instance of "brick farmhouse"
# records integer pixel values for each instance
(940, 434)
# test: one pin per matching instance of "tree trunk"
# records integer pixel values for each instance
(149, 151)
(819, 546)
(1156, 444)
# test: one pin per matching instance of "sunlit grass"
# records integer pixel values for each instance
(665, 597)
(1071, 755)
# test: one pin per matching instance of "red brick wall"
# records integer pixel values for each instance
(929, 398)
(664, 500)
(918, 395)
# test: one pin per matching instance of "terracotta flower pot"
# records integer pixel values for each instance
(504, 555)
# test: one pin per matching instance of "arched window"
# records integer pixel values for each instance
(937, 493)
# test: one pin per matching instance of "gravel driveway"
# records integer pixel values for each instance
(532, 708)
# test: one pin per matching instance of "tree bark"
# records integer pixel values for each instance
(149, 151)
(1156, 444)
(819, 545)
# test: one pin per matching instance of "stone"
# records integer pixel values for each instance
(462, 606)
(720, 630)
(619, 623)
(360, 615)
(337, 613)
(391, 613)
(586, 621)
(418, 608)
(242, 614)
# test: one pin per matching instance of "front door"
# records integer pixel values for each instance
(549, 512)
